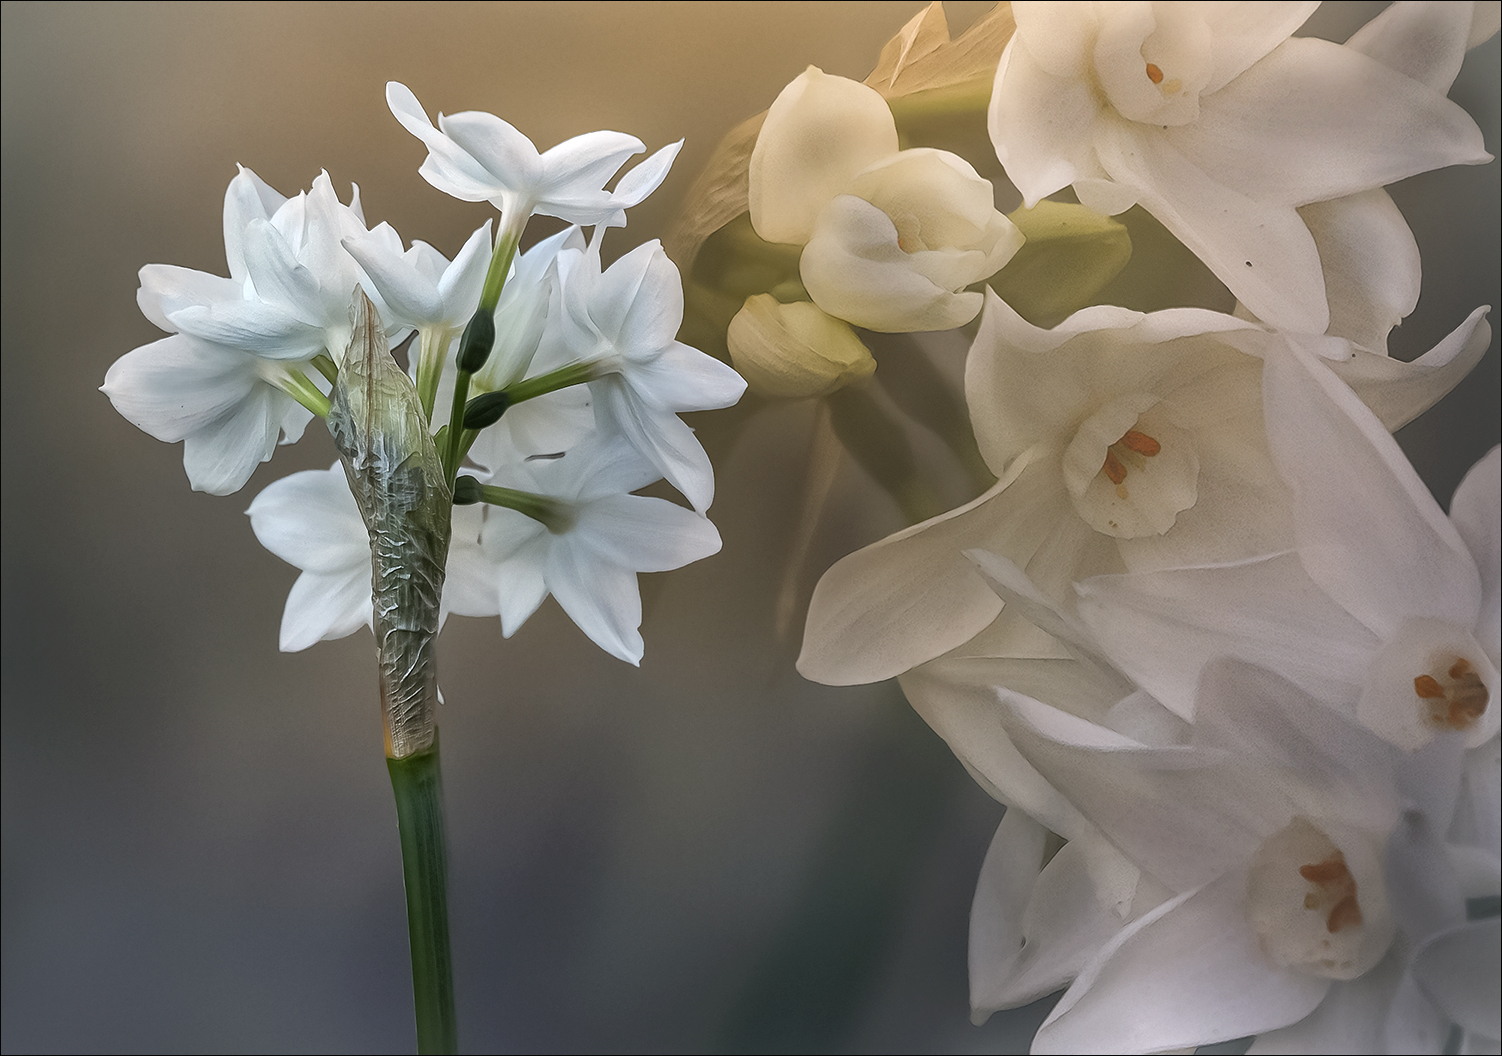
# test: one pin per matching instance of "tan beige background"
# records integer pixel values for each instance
(199, 849)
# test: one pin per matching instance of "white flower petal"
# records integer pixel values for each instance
(166, 288)
(413, 297)
(684, 379)
(1314, 121)
(178, 385)
(1422, 41)
(325, 607)
(1371, 265)
(1474, 511)
(648, 534)
(220, 457)
(253, 326)
(1042, 125)
(247, 198)
(1368, 531)
(1007, 878)
(1162, 628)
(1261, 250)
(1397, 391)
(601, 599)
(1191, 972)
(310, 520)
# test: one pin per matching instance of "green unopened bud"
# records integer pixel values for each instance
(1071, 252)
(478, 340)
(793, 351)
(485, 409)
(467, 492)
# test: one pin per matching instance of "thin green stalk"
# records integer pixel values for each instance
(552, 381)
(418, 785)
(296, 384)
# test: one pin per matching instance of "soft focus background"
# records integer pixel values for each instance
(703, 854)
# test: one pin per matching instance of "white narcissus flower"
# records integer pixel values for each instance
(1218, 124)
(310, 521)
(1299, 847)
(623, 322)
(1120, 441)
(1384, 607)
(891, 238)
(477, 157)
(221, 383)
(592, 540)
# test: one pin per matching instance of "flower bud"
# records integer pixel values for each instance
(792, 351)
(896, 251)
(485, 410)
(478, 340)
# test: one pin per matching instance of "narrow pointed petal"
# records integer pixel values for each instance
(247, 198)
(1192, 972)
(447, 166)
(325, 607)
(665, 440)
(253, 326)
(413, 299)
(178, 385)
(1007, 878)
(310, 520)
(1398, 391)
(646, 176)
(220, 457)
(602, 600)
(166, 288)
(1371, 265)
(1422, 41)
(1162, 628)
(650, 535)
(1315, 120)
(1368, 531)
(1474, 511)
(685, 379)
(1261, 250)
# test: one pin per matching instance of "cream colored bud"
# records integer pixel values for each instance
(820, 132)
(793, 351)
(896, 251)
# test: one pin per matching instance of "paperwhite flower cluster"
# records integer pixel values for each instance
(1209, 627)
(585, 382)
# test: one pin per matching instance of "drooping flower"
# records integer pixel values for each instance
(891, 238)
(477, 157)
(1218, 124)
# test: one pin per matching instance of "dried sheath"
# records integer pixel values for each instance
(398, 481)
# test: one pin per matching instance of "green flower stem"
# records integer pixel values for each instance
(296, 384)
(453, 451)
(500, 266)
(551, 513)
(418, 785)
(326, 367)
(432, 351)
(552, 381)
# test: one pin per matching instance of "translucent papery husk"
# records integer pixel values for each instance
(399, 484)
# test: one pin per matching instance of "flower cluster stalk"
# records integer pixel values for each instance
(394, 471)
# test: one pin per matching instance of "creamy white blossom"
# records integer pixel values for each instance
(891, 238)
(1218, 124)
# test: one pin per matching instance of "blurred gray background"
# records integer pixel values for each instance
(199, 840)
